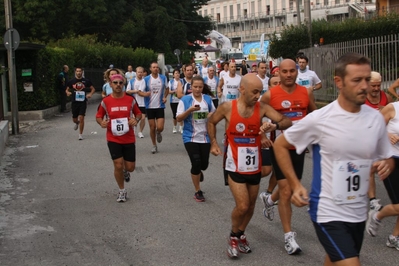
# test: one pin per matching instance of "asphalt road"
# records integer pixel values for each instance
(58, 206)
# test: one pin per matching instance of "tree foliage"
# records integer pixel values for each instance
(294, 38)
(160, 25)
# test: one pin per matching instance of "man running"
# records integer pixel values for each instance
(348, 139)
(155, 92)
(79, 86)
(212, 81)
(229, 85)
(295, 102)
(122, 114)
(307, 77)
(262, 69)
(243, 159)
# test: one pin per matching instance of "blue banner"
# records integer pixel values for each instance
(254, 48)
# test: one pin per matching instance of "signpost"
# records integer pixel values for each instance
(11, 42)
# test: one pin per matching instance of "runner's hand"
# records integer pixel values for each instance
(300, 197)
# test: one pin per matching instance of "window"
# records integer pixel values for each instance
(245, 13)
(238, 10)
(205, 13)
(252, 7)
(231, 12)
(218, 17)
(268, 10)
(212, 11)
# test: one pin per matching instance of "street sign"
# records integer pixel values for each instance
(11, 35)
(176, 52)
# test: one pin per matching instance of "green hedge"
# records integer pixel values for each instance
(294, 38)
(84, 51)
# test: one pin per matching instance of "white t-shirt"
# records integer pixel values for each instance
(231, 88)
(307, 78)
(265, 83)
(156, 92)
(136, 86)
(213, 84)
(393, 127)
(344, 146)
(173, 88)
(204, 71)
(223, 73)
(130, 75)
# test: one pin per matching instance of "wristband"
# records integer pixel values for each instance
(138, 120)
(277, 125)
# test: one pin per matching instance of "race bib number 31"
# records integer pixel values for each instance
(350, 181)
(248, 159)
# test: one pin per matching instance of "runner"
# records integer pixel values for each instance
(243, 139)
(155, 92)
(391, 183)
(262, 69)
(306, 77)
(194, 110)
(212, 81)
(133, 88)
(229, 85)
(118, 109)
(295, 102)
(79, 86)
(348, 139)
(174, 101)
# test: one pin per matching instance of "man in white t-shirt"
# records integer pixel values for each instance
(262, 69)
(307, 77)
(229, 85)
(212, 81)
(133, 87)
(349, 139)
(130, 74)
(203, 68)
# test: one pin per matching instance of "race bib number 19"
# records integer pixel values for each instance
(350, 181)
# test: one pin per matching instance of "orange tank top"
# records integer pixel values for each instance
(293, 105)
(383, 101)
(243, 142)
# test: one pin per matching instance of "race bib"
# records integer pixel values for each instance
(248, 159)
(231, 94)
(80, 96)
(200, 117)
(350, 181)
(119, 126)
(305, 82)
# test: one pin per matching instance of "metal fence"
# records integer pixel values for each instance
(382, 51)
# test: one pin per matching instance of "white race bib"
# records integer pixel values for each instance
(350, 181)
(248, 159)
(80, 96)
(231, 94)
(119, 126)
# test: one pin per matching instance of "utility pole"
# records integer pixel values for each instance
(308, 20)
(13, 42)
(298, 13)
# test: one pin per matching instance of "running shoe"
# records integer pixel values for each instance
(80, 137)
(126, 175)
(232, 247)
(201, 176)
(291, 246)
(154, 149)
(181, 129)
(140, 135)
(75, 127)
(122, 195)
(174, 130)
(199, 196)
(243, 245)
(393, 242)
(375, 205)
(159, 137)
(268, 210)
(372, 224)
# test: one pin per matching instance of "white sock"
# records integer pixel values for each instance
(270, 201)
(286, 235)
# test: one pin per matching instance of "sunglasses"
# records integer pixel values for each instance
(118, 82)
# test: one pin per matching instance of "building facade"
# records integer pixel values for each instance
(246, 20)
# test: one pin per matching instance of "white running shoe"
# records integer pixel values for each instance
(174, 130)
(393, 242)
(140, 135)
(375, 205)
(372, 223)
(181, 129)
(80, 137)
(154, 149)
(290, 244)
(268, 210)
(122, 195)
(75, 127)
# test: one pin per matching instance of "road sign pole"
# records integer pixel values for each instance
(11, 68)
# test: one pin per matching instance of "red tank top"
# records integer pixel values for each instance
(293, 105)
(383, 101)
(243, 142)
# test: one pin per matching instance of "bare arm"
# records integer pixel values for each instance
(281, 152)
(217, 116)
(68, 93)
(317, 86)
(92, 91)
(220, 87)
(186, 113)
(179, 90)
(312, 104)
(392, 88)
(265, 97)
